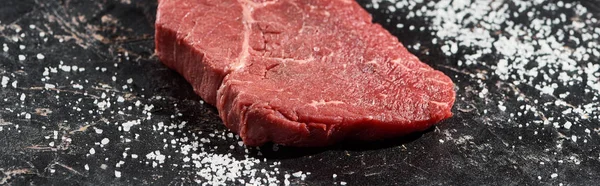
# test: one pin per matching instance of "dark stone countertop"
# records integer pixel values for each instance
(84, 101)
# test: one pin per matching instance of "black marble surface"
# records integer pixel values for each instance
(50, 121)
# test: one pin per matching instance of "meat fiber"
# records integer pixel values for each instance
(300, 72)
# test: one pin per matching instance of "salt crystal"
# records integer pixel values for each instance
(104, 141)
(567, 125)
(4, 81)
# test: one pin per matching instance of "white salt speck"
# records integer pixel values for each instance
(27, 116)
(22, 98)
(92, 151)
(65, 68)
(86, 167)
(4, 81)
(297, 174)
(40, 56)
(129, 81)
(553, 175)
(118, 174)
(21, 57)
(567, 125)
(334, 176)
(454, 48)
(104, 141)
(343, 183)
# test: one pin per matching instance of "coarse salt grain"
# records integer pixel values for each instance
(104, 141)
(4, 81)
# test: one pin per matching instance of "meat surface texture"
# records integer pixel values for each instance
(300, 72)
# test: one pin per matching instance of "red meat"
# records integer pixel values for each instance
(300, 72)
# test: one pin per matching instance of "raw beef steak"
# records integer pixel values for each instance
(300, 72)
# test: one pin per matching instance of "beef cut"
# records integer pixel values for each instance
(300, 72)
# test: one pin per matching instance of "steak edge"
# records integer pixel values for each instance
(300, 72)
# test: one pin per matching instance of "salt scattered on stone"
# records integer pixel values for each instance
(40, 56)
(21, 57)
